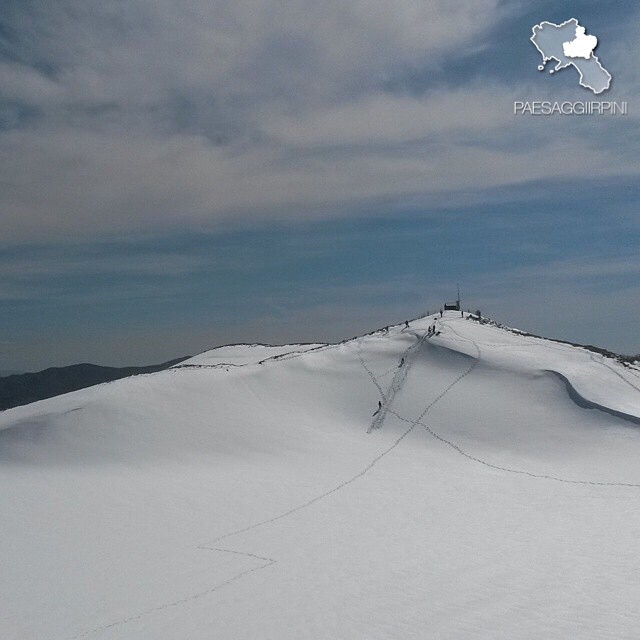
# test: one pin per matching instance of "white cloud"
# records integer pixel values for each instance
(383, 118)
(141, 53)
(151, 116)
(75, 184)
(25, 84)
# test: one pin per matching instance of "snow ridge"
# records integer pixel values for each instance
(585, 403)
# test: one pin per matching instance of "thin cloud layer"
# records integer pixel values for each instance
(155, 116)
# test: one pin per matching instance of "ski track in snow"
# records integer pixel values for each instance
(541, 342)
(604, 364)
(387, 372)
(267, 562)
(547, 344)
(395, 386)
(530, 474)
(137, 616)
(396, 383)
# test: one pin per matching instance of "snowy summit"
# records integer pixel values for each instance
(252, 493)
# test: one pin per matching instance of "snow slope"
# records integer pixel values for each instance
(495, 496)
(243, 354)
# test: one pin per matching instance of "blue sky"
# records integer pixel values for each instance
(174, 178)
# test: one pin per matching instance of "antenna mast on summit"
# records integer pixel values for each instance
(458, 295)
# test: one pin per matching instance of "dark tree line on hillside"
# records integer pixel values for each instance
(16, 390)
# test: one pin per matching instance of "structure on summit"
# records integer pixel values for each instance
(453, 306)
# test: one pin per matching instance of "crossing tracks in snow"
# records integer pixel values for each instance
(401, 372)
(387, 396)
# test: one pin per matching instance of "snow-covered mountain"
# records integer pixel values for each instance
(250, 493)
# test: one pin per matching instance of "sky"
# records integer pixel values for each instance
(177, 176)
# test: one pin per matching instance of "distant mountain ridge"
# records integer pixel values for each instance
(24, 388)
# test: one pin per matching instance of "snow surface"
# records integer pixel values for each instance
(243, 354)
(490, 500)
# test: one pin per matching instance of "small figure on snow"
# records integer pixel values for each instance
(377, 411)
(401, 362)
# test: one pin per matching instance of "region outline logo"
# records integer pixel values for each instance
(569, 45)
